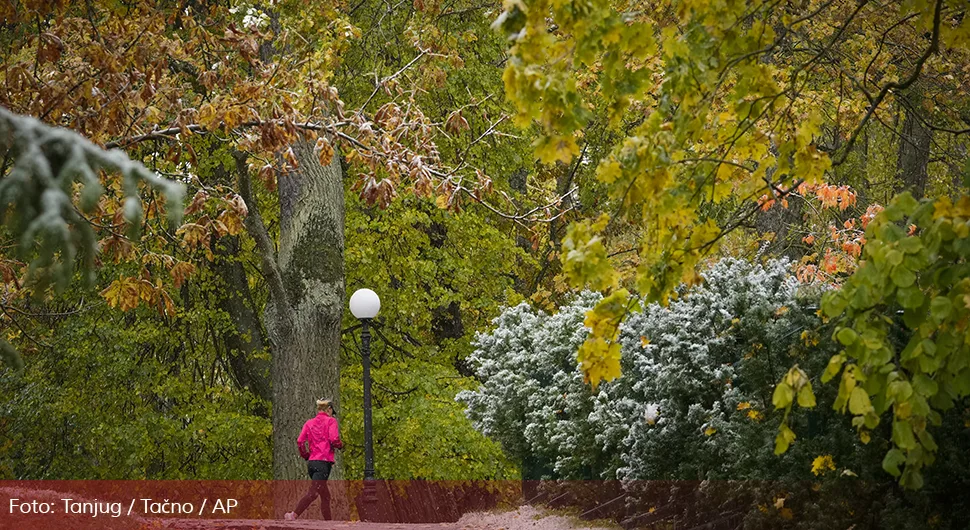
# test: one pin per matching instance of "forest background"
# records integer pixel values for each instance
(460, 158)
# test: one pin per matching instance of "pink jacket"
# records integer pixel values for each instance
(322, 436)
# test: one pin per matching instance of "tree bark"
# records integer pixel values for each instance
(306, 285)
(914, 148)
(245, 342)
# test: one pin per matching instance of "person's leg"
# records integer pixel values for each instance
(323, 489)
(311, 493)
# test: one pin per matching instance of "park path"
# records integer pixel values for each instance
(523, 518)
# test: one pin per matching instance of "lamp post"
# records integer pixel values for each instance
(365, 304)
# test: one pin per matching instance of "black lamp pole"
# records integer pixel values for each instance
(370, 487)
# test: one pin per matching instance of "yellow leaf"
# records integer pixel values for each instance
(859, 401)
(608, 171)
(784, 439)
(123, 293)
(822, 464)
(585, 261)
(599, 360)
(551, 149)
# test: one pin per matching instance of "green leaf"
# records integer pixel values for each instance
(903, 434)
(833, 303)
(927, 440)
(783, 395)
(11, 356)
(910, 245)
(912, 479)
(905, 203)
(910, 297)
(859, 401)
(806, 398)
(925, 386)
(961, 383)
(892, 460)
(900, 390)
(902, 277)
(940, 308)
(847, 336)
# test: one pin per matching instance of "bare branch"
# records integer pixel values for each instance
(932, 49)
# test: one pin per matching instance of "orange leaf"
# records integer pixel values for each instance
(324, 151)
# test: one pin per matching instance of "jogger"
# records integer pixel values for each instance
(317, 441)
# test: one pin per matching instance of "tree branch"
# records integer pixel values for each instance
(932, 49)
(256, 228)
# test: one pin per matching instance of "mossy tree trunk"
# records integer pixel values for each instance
(306, 296)
(245, 341)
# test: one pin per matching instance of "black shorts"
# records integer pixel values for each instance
(318, 469)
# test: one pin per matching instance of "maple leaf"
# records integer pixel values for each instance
(822, 464)
(551, 149)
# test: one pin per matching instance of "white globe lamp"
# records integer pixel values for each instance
(365, 303)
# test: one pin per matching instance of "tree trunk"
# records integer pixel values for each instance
(245, 342)
(311, 262)
(306, 285)
(914, 148)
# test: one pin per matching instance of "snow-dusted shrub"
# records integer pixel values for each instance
(694, 406)
(703, 368)
(533, 399)
(695, 392)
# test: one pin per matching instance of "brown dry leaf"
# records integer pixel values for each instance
(193, 234)
(456, 123)
(180, 273)
(164, 302)
(232, 222)
(237, 204)
(267, 174)
(324, 151)
(198, 202)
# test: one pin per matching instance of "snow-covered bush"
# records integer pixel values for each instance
(694, 395)
(694, 404)
(533, 399)
(703, 367)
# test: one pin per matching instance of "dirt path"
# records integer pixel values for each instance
(523, 518)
